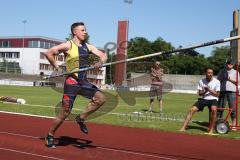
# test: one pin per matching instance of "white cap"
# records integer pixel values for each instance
(21, 101)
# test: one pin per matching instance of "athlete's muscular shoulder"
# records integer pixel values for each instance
(63, 47)
(97, 52)
(94, 49)
(90, 47)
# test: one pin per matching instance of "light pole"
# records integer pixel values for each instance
(24, 28)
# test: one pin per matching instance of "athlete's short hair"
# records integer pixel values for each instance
(74, 25)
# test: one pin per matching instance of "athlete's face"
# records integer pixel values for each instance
(209, 74)
(80, 32)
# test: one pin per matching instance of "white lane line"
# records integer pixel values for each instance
(32, 154)
(103, 148)
(136, 153)
(25, 114)
(123, 116)
(20, 135)
(135, 117)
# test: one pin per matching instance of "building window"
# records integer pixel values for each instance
(41, 66)
(44, 44)
(16, 55)
(46, 67)
(29, 43)
(52, 45)
(2, 55)
(33, 44)
(41, 44)
(42, 56)
(9, 55)
(5, 44)
(47, 45)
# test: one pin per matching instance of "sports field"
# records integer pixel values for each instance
(45, 101)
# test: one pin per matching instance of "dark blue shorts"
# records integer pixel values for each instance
(73, 87)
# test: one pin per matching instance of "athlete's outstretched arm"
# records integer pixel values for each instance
(100, 54)
(50, 54)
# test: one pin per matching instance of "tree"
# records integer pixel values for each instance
(159, 45)
(219, 57)
(141, 46)
(185, 64)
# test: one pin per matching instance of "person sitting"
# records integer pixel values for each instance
(209, 89)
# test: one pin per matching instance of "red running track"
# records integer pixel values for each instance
(21, 137)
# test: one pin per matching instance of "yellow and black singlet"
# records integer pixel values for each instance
(77, 58)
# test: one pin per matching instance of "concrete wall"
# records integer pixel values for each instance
(178, 82)
(183, 82)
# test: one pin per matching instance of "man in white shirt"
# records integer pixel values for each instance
(209, 89)
(228, 79)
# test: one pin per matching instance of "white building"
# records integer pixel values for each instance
(28, 53)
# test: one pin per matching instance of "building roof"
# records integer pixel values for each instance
(31, 37)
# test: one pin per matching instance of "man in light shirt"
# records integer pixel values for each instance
(156, 76)
(228, 79)
(208, 89)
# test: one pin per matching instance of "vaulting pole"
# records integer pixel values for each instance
(150, 55)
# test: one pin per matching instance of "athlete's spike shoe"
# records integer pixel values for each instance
(49, 140)
(82, 124)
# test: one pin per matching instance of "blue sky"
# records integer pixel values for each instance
(181, 22)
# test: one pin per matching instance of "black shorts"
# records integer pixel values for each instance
(201, 103)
